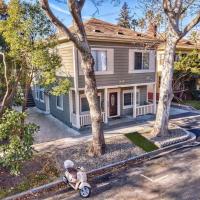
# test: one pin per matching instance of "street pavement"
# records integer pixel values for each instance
(173, 177)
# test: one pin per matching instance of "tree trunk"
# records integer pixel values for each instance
(98, 144)
(166, 91)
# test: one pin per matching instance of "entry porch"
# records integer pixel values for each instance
(117, 102)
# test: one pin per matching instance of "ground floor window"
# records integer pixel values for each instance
(59, 102)
(84, 106)
(39, 93)
(128, 98)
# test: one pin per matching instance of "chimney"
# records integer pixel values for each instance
(152, 30)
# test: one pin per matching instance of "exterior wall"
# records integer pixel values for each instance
(39, 104)
(143, 99)
(127, 111)
(62, 115)
(65, 50)
(121, 75)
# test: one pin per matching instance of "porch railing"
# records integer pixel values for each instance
(85, 119)
(143, 110)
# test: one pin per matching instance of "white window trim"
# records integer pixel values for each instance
(58, 107)
(84, 96)
(132, 62)
(41, 90)
(110, 69)
(36, 93)
(130, 91)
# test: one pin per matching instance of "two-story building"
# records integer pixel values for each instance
(125, 67)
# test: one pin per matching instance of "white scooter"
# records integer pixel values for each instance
(77, 179)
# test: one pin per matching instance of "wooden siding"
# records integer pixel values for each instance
(62, 115)
(65, 51)
(121, 75)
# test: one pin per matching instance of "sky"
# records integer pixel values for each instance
(107, 11)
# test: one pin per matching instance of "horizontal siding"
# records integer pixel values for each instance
(65, 51)
(62, 115)
(121, 75)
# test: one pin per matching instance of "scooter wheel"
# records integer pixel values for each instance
(85, 192)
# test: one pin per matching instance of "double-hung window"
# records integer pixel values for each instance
(84, 107)
(128, 98)
(141, 60)
(41, 94)
(59, 102)
(100, 59)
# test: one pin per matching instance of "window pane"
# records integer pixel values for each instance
(94, 54)
(127, 99)
(85, 105)
(59, 101)
(138, 60)
(102, 61)
(146, 61)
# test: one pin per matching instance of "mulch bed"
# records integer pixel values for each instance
(38, 171)
(118, 148)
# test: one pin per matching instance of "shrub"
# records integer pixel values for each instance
(16, 139)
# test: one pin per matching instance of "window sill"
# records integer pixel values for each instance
(59, 108)
(99, 72)
(141, 71)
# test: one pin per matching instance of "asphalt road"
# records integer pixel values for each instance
(191, 124)
(173, 177)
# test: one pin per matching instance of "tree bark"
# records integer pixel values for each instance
(79, 38)
(98, 144)
(166, 91)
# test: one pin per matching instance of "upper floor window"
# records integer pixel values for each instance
(100, 58)
(141, 60)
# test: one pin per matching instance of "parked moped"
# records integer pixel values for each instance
(77, 179)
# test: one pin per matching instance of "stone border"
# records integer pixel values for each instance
(104, 170)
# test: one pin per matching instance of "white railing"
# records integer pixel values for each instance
(143, 110)
(85, 119)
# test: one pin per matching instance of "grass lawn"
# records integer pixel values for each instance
(193, 103)
(141, 141)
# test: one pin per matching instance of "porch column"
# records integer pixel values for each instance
(134, 101)
(106, 105)
(154, 98)
(77, 109)
(70, 105)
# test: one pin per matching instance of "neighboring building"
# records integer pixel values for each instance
(182, 49)
(125, 70)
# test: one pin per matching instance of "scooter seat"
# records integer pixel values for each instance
(73, 172)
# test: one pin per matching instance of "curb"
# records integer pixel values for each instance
(35, 192)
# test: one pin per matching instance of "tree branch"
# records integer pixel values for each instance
(193, 23)
(59, 24)
(75, 10)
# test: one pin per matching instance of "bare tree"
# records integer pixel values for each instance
(174, 10)
(79, 38)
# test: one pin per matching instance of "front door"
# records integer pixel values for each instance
(113, 104)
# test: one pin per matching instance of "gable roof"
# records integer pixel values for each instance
(183, 44)
(98, 30)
